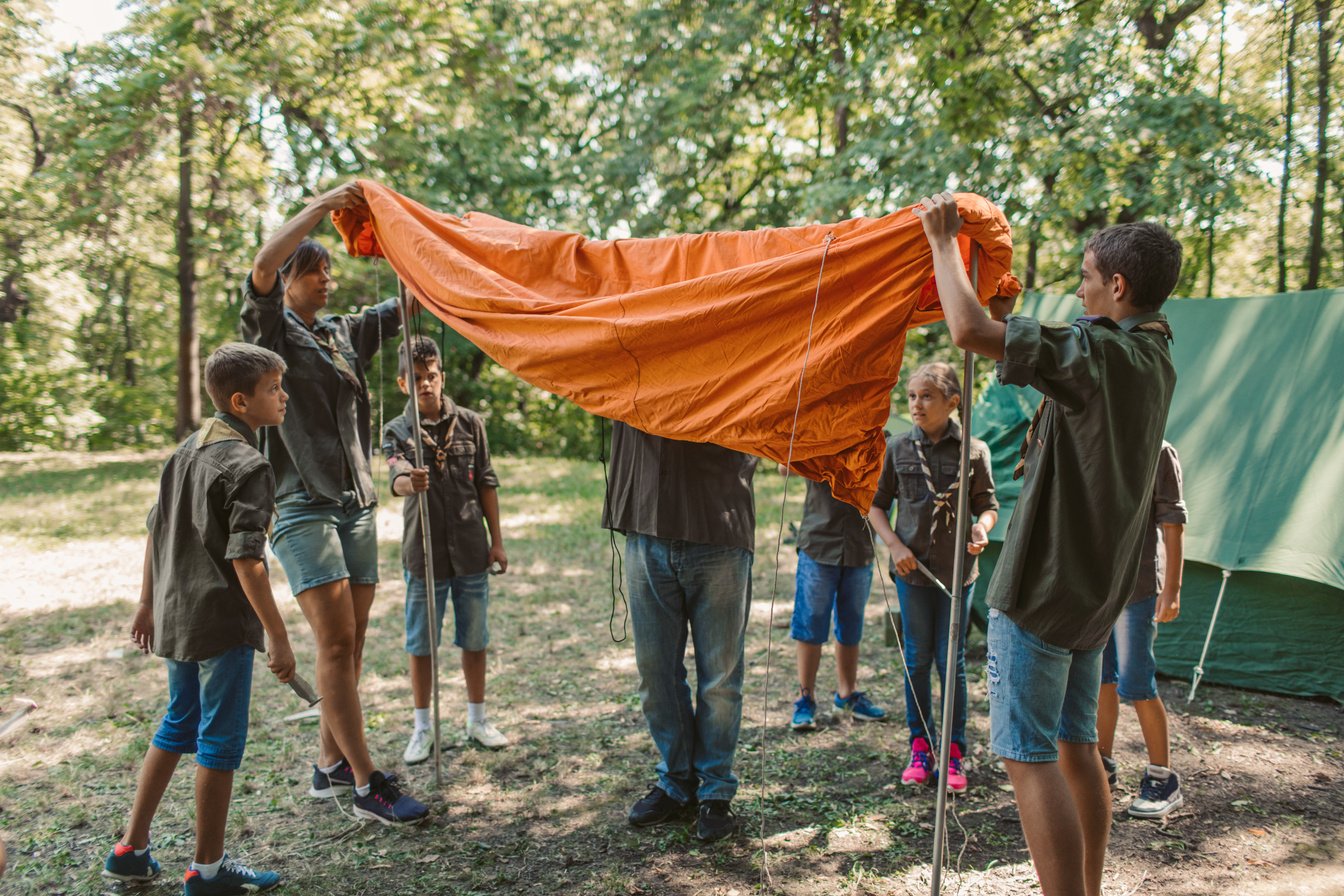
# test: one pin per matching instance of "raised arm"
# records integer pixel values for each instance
(266, 265)
(971, 329)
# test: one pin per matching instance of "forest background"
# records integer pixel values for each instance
(139, 172)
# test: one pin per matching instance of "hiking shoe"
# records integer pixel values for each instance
(921, 763)
(1112, 769)
(1159, 793)
(804, 714)
(420, 746)
(329, 784)
(486, 735)
(956, 778)
(234, 879)
(655, 807)
(123, 864)
(860, 707)
(716, 821)
(386, 803)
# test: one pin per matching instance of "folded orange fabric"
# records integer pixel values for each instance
(700, 337)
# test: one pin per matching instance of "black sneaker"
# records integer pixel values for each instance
(386, 803)
(329, 784)
(656, 807)
(716, 820)
(1111, 770)
(1159, 794)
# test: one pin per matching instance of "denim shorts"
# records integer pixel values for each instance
(325, 541)
(823, 587)
(1127, 659)
(207, 709)
(471, 598)
(1039, 694)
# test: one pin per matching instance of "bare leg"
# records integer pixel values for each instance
(213, 790)
(1153, 723)
(421, 681)
(362, 595)
(1081, 765)
(330, 611)
(473, 673)
(1108, 714)
(846, 669)
(1051, 825)
(809, 659)
(155, 774)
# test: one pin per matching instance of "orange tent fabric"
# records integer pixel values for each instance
(700, 337)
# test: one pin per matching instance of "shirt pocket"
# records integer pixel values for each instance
(461, 462)
(910, 477)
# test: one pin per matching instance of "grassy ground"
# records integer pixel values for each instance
(1262, 774)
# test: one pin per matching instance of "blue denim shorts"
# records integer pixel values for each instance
(325, 541)
(823, 587)
(207, 709)
(1127, 659)
(1039, 694)
(471, 598)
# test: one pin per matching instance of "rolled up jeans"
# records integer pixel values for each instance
(679, 588)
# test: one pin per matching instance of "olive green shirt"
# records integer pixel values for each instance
(1071, 554)
(833, 532)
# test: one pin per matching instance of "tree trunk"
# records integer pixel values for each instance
(188, 339)
(1290, 98)
(1316, 239)
(1213, 211)
(127, 333)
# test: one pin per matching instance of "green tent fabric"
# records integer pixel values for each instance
(1258, 422)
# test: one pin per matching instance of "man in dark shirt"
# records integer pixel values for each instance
(689, 518)
(1071, 554)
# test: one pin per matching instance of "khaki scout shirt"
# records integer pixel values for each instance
(455, 451)
(216, 496)
(1071, 554)
(833, 532)
(903, 481)
(323, 447)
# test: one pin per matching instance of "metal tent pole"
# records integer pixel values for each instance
(423, 502)
(959, 591)
(1199, 667)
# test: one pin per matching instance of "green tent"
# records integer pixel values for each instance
(1258, 421)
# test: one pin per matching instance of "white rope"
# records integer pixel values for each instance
(1199, 667)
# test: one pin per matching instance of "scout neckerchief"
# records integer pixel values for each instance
(440, 450)
(942, 501)
(325, 337)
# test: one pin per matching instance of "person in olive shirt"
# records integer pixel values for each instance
(835, 574)
(325, 533)
(206, 607)
(1071, 554)
(921, 474)
(463, 494)
(689, 518)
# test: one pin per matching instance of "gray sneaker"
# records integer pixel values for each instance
(1159, 794)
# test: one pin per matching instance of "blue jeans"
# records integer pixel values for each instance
(678, 587)
(925, 615)
(207, 709)
(471, 598)
(823, 587)
(322, 541)
(1127, 659)
(1039, 694)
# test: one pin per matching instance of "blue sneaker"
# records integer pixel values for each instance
(804, 714)
(386, 803)
(234, 879)
(1159, 794)
(860, 707)
(123, 864)
(329, 784)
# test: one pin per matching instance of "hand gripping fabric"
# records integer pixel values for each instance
(698, 337)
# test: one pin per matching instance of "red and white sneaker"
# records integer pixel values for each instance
(956, 779)
(921, 763)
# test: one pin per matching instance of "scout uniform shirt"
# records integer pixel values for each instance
(455, 451)
(833, 532)
(216, 496)
(1168, 507)
(924, 516)
(323, 447)
(1071, 555)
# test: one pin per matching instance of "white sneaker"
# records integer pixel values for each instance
(421, 745)
(486, 735)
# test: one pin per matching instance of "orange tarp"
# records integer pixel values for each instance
(700, 337)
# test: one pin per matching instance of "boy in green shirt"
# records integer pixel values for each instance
(1072, 550)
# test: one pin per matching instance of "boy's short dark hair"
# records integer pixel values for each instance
(308, 256)
(238, 367)
(423, 350)
(1146, 254)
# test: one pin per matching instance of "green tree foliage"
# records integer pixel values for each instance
(618, 119)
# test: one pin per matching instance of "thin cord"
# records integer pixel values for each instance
(617, 564)
(766, 879)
